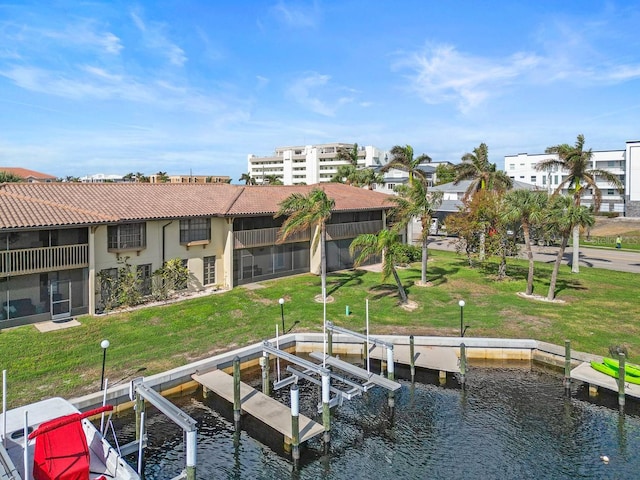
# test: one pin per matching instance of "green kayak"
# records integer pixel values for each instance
(613, 372)
(629, 368)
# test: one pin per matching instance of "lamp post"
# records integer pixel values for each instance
(104, 344)
(461, 303)
(281, 302)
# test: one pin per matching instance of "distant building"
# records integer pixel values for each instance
(625, 164)
(190, 179)
(30, 176)
(101, 178)
(309, 164)
(395, 177)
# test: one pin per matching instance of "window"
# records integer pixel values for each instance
(390, 186)
(611, 191)
(209, 274)
(533, 179)
(195, 230)
(555, 179)
(128, 236)
(144, 275)
(544, 180)
(512, 166)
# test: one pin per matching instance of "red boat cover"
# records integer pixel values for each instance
(61, 451)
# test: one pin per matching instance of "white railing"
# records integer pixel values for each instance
(44, 259)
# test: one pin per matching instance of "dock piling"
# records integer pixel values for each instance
(567, 364)
(412, 357)
(621, 379)
(236, 391)
(191, 454)
(330, 342)
(295, 423)
(463, 363)
(390, 375)
(326, 412)
(264, 363)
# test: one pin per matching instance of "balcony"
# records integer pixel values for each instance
(336, 231)
(45, 259)
(264, 236)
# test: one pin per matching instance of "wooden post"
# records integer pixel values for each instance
(326, 412)
(295, 424)
(330, 343)
(237, 407)
(621, 379)
(412, 357)
(442, 376)
(567, 364)
(264, 363)
(463, 363)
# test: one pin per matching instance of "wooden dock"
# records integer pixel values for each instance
(258, 405)
(586, 374)
(444, 359)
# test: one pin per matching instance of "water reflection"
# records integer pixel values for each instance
(505, 424)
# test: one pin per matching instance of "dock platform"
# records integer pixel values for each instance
(586, 374)
(442, 359)
(266, 409)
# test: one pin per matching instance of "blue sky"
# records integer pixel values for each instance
(185, 86)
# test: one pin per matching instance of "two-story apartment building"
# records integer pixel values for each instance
(309, 164)
(58, 239)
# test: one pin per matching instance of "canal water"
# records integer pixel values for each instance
(514, 423)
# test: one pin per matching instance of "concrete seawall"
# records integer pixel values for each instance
(179, 379)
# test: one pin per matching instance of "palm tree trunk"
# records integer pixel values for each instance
(527, 246)
(575, 268)
(556, 268)
(403, 294)
(481, 248)
(502, 268)
(425, 257)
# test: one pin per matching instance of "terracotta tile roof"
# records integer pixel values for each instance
(26, 173)
(54, 204)
(256, 200)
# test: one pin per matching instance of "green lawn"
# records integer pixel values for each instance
(602, 309)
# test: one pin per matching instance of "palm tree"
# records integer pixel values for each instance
(8, 177)
(304, 212)
(346, 174)
(562, 218)
(576, 162)
(527, 207)
(247, 179)
(162, 177)
(402, 159)
(273, 179)
(348, 155)
(413, 200)
(367, 177)
(483, 175)
(385, 243)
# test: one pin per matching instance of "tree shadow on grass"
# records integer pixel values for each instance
(341, 279)
(562, 284)
(385, 290)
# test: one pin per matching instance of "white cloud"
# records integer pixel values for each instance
(442, 74)
(155, 38)
(306, 91)
(297, 16)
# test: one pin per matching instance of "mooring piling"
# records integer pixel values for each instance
(236, 391)
(412, 357)
(264, 364)
(326, 412)
(192, 442)
(330, 342)
(390, 375)
(567, 364)
(463, 363)
(295, 423)
(621, 379)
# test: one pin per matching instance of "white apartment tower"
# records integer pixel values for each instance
(521, 167)
(309, 164)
